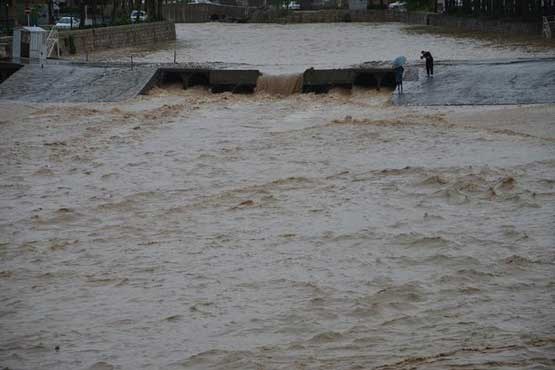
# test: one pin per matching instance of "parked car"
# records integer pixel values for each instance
(294, 6)
(67, 23)
(399, 6)
(202, 2)
(140, 14)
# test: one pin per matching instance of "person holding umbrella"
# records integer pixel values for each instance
(429, 62)
(399, 70)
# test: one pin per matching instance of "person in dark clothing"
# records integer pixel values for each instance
(399, 78)
(429, 62)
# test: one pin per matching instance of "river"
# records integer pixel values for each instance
(189, 230)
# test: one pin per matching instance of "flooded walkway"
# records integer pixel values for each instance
(483, 83)
(63, 82)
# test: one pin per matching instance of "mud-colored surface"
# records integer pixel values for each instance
(187, 230)
(198, 231)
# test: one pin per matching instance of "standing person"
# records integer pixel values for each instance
(399, 79)
(429, 62)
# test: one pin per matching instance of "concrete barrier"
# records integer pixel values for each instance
(485, 25)
(322, 80)
(219, 80)
(93, 39)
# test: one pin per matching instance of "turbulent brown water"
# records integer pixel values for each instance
(279, 85)
(185, 230)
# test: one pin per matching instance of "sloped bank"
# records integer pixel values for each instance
(94, 39)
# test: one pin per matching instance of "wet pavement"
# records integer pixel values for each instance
(482, 83)
(75, 83)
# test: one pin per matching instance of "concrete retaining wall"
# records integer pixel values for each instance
(472, 24)
(197, 13)
(416, 17)
(484, 25)
(327, 16)
(422, 18)
(89, 40)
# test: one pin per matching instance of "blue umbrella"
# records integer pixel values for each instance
(399, 61)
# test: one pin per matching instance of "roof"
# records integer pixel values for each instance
(34, 29)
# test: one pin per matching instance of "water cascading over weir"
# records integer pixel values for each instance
(287, 84)
(250, 81)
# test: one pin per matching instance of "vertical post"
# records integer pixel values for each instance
(131, 62)
(16, 45)
(174, 56)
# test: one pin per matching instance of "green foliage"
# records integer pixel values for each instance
(121, 20)
(280, 4)
(422, 5)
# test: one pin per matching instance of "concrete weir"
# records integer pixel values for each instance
(79, 82)
(245, 81)
(218, 80)
(321, 80)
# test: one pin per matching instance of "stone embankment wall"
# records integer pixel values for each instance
(198, 13)
(420, 18)
(484, 25)
(92, 39)
(326, 16)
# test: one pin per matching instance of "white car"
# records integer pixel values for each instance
(67, 23)
(294, 6)
(399, 6)
(202, 2)
(138, 13)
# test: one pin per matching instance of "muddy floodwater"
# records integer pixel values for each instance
(190, 230)
(277, 49)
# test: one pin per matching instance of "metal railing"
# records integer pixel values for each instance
(53, 41)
